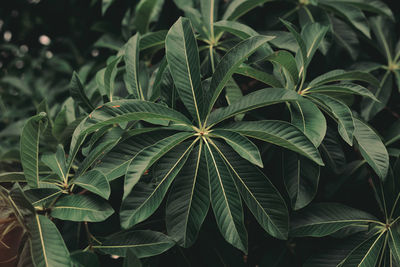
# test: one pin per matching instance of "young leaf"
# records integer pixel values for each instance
(109, 77)
(78, 93)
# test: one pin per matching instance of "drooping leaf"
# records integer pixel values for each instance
(238, 8)
(341, 75)
(343, 89)
(259, 75)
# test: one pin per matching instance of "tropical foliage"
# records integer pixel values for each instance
(211, 135)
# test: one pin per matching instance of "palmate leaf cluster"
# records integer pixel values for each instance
(212, 134)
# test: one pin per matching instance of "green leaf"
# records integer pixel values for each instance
(323, 219)
(146, 196)
(353, 15)
(143, 14)
(78, 93)
(342, 113)
(309, 119)
(302, 45)
(131, 259)
(144, 243)
(394, 243)
(382, 31)
(343, 89)
(85, 259)
(225, 200)
(209, 12)
(148, 156)
(238, 8)
(257, 99)
(375, 6)
(366, 254)
(109, 77)
(56, 162)
(313, 35)
(189, 199)
(131, 58)
(301, 178)
(236, 28)
(372, 148)
(95, 182)
(286, 61)
(184, 63)
(242, 145)
(47, 245)
(341, 75)
(260, 195)
(29, 148)
(230, 62)
(259, 75)
(392, 133)
(279, 133)
(105, 4)
(80, 208)
(8, 177)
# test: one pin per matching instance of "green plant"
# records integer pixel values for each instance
(211, 138)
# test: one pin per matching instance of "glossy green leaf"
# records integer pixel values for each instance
(230, 62)
(260, 195)
(343, 89)
(148, 156)
(47, 245)
(80, 208)
(189, 199)
(184, 63)
(341, 75)
(257, 99)
(286, 61)
(242, 145)
(236, 28)
(143, 14)
(341, 112)
(279, 133)
(309, 119)
(225, 200)
(56, 162)
(146, 196)
(372, 148)
(95, 182)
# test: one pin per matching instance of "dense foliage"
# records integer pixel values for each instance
(200, 133)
